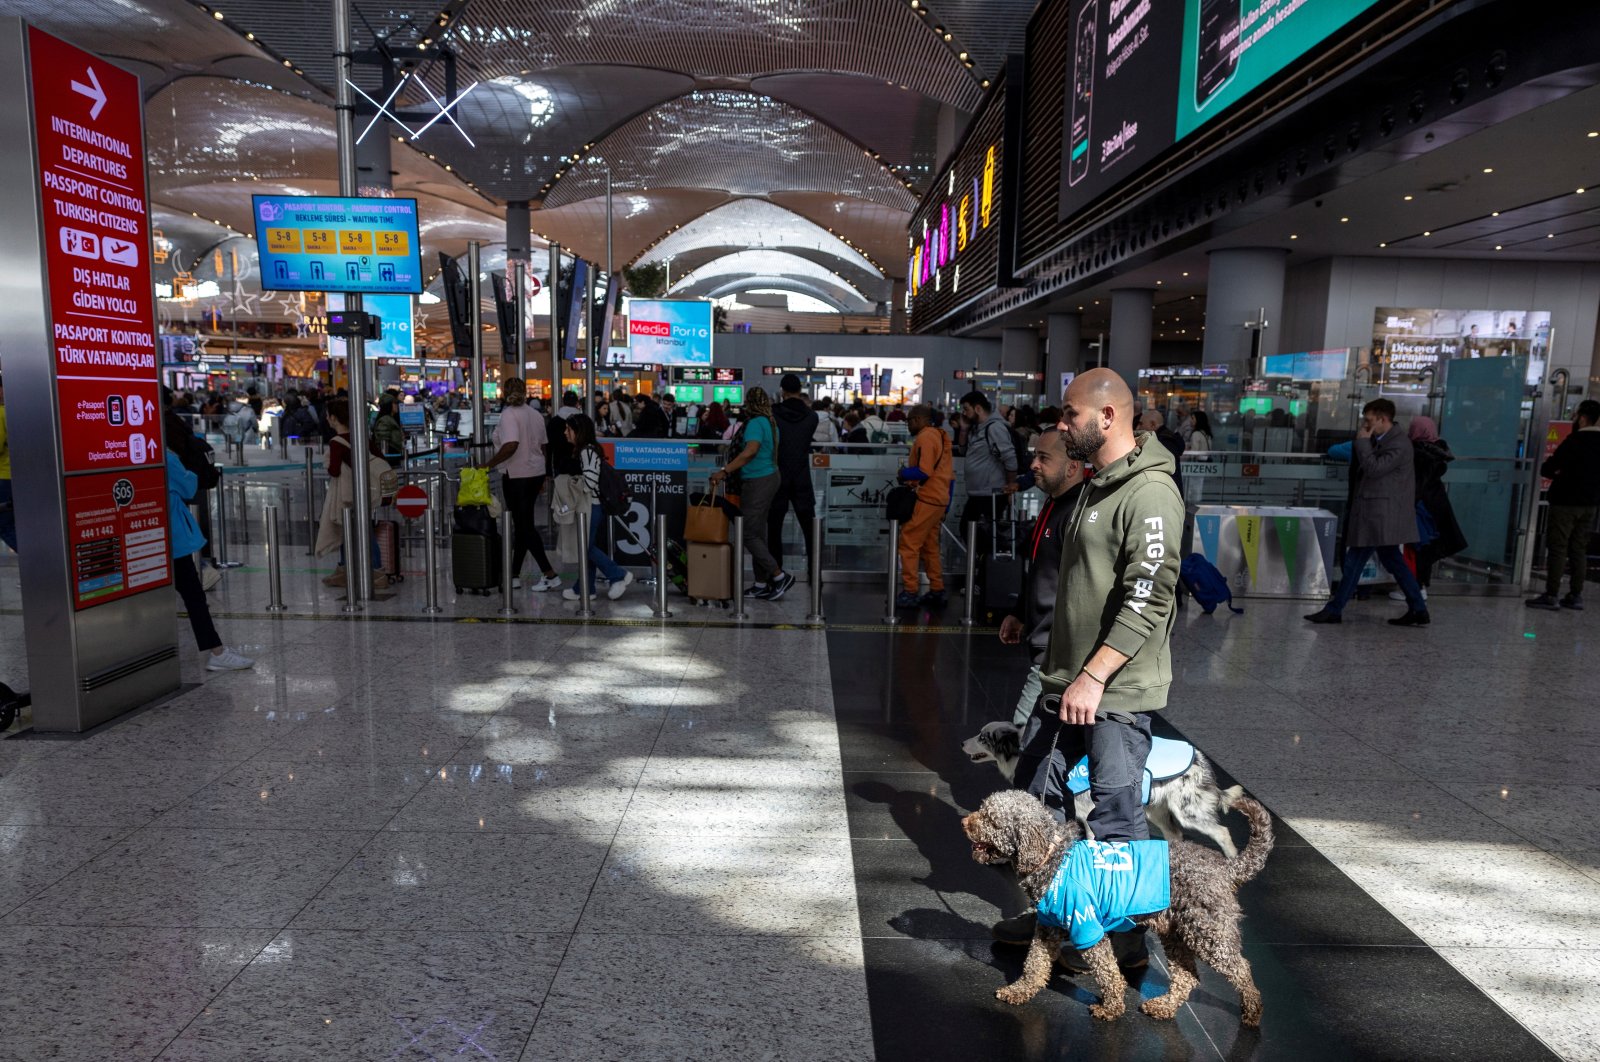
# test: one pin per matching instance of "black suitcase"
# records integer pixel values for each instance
(475, 550)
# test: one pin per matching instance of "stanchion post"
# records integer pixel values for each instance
(221, 523)
(274, 564)
(311, 505)
(661, 610)
(815, 615)
(738, 569)
(585, 597)
(892, 583)
(431, 562)
(507, 593)
(352, 587)
(969, 596)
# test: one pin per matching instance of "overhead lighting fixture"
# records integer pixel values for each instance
(1488, 169)
(1294, 236)
(1425, 232)
(1383, 245)
(1497, 247)
(1494, 213)
(217, 15)
(1549, 235)
(1344, 219)
(1409, 198)
(1580, 191)
(1186, 274)
(249, 36)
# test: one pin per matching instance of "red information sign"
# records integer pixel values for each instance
(89, 123)
(411, 500)
(117, 531)
(89, 120)
(1559, 430)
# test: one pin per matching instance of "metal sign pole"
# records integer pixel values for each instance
(661, 610)
(585, 602)
(520, 340)
(352, 602)
(738, 569)
(475, 296)
(274, 564)
(507, 576)
(893, 582)
(358, 568)
(968, 597)
(815, 615)
(431, 559)
(311, 506)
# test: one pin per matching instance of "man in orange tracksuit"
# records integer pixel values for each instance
(930, 471)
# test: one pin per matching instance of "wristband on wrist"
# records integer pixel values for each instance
(1092, 675)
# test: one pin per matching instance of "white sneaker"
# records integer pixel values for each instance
(228, 660)
(617, 589)
(209, 578)
(569, 594)
(516, 582)
(549, 582)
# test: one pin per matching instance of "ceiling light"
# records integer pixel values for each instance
(1580, 191)
(962, 57)
(1549, 235)
(217, 15)
(249, 36)
(1344, 219)
(1425, 232)
(1409, 198)
(1488, 169)
(1294, 236)
(1186, 274)
(1494, 213)
(1383, 245)
(1497, 247)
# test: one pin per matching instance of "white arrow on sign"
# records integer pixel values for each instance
(93, 91)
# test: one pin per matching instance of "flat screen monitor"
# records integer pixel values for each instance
(356, 246)
(731, 393)
(689, 392)
(669, 331)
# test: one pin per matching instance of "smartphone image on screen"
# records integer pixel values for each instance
(114, 410)
(1216, 37)
(1082, 93)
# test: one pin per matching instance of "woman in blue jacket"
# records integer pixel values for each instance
(186, 540)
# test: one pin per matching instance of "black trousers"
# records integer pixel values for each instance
(522, 498)
(795, 493)
(1117, 749)
(186, 580)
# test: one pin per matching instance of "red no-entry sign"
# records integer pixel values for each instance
(411, 500)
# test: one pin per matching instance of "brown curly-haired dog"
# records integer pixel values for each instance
(1202, 921)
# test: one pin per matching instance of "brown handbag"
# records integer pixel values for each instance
(706, 522)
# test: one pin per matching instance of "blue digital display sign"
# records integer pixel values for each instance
(335, 244)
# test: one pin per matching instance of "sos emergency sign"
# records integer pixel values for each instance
(89, 122)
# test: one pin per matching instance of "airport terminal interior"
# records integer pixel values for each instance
(835, 326)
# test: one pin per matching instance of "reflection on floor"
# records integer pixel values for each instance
(466, 841)
(404, 840)
(1437, 844)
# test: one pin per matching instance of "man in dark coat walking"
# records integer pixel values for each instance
(1382, 516)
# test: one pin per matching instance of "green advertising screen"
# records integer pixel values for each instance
(1142, 76)
(688, 393)
(731, 393)
(1259, 406)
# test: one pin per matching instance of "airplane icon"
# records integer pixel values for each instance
(119, 252)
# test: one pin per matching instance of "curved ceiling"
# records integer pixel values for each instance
(837, 298)
(770, 263)
(736, 142)
(755, 223)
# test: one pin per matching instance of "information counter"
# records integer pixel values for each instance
(1267, 551)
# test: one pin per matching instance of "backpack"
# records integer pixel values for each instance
(614, 497)
(878, 434)
(1206, 583)
(193, 453)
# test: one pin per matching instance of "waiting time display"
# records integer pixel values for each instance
(336, 244)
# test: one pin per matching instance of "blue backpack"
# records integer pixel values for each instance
(1207, 585)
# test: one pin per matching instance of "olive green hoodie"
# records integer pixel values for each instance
(1119, 572)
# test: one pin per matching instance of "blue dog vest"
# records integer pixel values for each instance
(1167, 759)
(1101, 884)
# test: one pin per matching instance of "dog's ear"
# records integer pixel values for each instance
(1075, 832)
(1008, 741)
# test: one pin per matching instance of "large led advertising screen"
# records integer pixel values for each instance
(1144, 74)
(329, 243)
(669, 332)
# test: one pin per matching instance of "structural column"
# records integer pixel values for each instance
(1063, 351)
(1019, 349)
(1132, 313)
(1242, 283)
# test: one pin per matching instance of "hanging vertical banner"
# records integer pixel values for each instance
(1288, 530)
(1250, 538)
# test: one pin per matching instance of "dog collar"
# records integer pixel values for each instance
(1045, 861)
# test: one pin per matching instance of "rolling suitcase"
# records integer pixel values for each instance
(475, 551)
(710, 571)
(1001, 564)
(388, 535)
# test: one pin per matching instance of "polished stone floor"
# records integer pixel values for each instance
(543, 840)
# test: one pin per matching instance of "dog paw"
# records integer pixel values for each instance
(1013, 994)
(1105, 1011)
(1158, 1010)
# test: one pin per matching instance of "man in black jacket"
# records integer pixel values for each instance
(797, 423)
(1574, 474)
(1060, 477)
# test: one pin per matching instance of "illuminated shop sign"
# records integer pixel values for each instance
(955, 225)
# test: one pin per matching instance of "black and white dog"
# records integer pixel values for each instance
(1182, 796)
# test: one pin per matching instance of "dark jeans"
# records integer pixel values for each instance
(794, 493)
(8, 521)
(1567, 546)
(599, 558)
(1427, 557)
(1391, 557)
(522, 498)
(186, 580)
(1117, 750)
